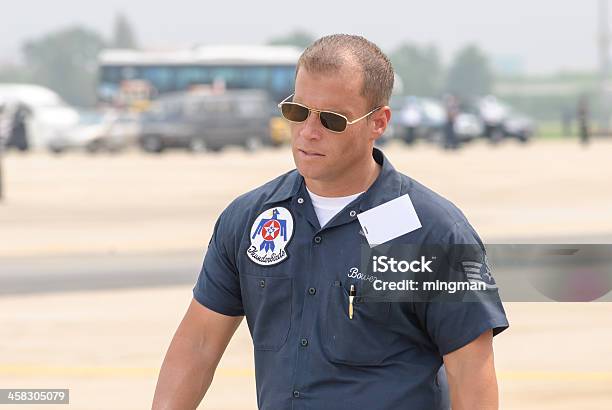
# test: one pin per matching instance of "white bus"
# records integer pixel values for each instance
(126, 76)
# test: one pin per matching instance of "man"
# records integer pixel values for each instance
(583, 119)
(18, 136)
(287, 256)
(451, 105)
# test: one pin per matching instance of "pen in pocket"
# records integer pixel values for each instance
(352, 293)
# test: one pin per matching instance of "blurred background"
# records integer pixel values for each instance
(81, 76)
(126, 128)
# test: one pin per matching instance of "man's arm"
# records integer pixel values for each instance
(193, 356)
(471, 375)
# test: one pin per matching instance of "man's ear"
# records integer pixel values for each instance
(380, 120)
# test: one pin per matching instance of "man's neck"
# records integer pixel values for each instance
(350, 183)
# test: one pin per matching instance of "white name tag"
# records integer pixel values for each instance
(389, 220)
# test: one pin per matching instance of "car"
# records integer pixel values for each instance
(468, 126)
(519, 126)
(502, 121)
(207, 120)
(493, 113)
(416, 118)
(97, 131)
(425, 118)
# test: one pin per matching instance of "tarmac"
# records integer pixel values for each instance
(99, 253)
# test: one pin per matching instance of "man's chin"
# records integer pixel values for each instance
(310, 171)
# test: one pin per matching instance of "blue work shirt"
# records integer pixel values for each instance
(269, 259)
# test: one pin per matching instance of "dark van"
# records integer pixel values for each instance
(204, 121)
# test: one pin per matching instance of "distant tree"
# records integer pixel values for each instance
(123, 33)
(470, 74)
(298, 38)
(66, 61)
(15, 74)
(420, 69)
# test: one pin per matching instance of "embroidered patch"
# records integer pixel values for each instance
(479, 272)
(270, 234)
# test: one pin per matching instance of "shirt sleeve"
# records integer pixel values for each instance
(218, 285)
(452, 324)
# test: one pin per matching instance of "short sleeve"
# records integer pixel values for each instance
(453, 324)
(218, 285)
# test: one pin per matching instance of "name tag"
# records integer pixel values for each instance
(389, 220)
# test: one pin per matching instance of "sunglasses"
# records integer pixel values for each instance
(334, 122)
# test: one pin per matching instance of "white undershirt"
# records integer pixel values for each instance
(327, 207)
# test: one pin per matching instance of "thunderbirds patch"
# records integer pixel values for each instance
(270, 234)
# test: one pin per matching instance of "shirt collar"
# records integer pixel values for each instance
(286, 188)
(387, 186)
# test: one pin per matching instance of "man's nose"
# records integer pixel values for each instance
(312, 127)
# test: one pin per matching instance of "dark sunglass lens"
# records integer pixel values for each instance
(332, 121)
(294, 112)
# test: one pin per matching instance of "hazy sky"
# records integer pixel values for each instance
(547, 35)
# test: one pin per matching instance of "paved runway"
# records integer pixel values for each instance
(48, 274)
(98, 255)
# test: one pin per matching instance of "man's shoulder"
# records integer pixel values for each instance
(435, 212)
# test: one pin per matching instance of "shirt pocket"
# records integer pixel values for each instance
(267, 305)
(363, 340)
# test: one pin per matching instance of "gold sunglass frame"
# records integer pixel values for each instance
(318, 112)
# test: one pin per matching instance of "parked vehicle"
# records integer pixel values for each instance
(280, 132)
(416, 117)
(202, 121)
(6, 124)
(468, 127)
(133, 77)
(98, 131)
(519, 126)
(38, 115)
(424, 118)
(501, 121)
(493, 114)
(123, 132)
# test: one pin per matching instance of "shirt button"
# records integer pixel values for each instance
(300, 200)
(352, 214)
(262, 283)
(304, 342)
(296, 394)
(312, 291)
(317, 239)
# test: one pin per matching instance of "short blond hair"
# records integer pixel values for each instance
(330, 53)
